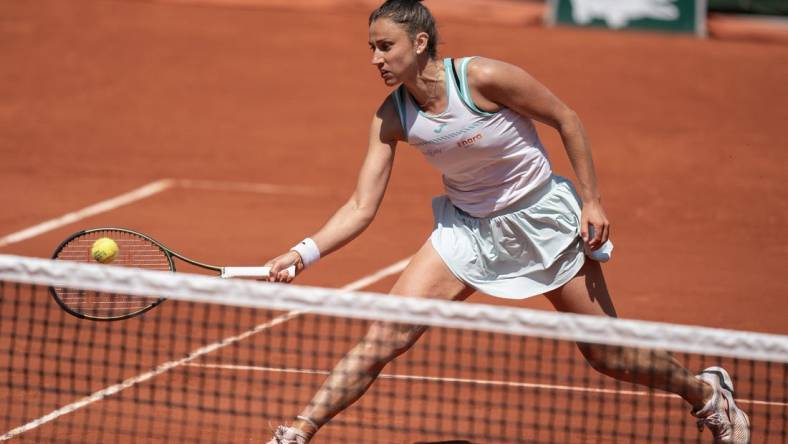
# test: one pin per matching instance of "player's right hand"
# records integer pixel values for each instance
(594, 225)
(280, 264)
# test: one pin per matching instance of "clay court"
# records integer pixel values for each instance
(251, 122)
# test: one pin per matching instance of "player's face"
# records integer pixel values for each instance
(393, 51)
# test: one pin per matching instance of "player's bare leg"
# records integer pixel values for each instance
(710, 393)
(425, 276)
(587, 294)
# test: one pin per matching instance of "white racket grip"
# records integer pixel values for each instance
(258, 272)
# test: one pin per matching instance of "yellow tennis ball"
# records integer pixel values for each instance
(104, 250)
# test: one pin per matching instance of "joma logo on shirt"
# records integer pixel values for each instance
(464, 143)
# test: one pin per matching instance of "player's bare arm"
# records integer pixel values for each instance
(495, 84)
(353, 217)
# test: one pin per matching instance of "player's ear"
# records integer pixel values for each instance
(420, 42)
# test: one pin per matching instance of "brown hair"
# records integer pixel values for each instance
(414, 16)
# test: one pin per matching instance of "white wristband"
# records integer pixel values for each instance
(308, 251)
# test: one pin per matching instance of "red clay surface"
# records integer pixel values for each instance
(100, 97)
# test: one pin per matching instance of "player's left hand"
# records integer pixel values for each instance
(594, 226)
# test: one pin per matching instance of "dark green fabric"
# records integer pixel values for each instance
(769, 7)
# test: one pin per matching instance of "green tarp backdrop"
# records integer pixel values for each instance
(684, 16)
(768, 7)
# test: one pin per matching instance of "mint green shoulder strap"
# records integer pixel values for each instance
(465, 93)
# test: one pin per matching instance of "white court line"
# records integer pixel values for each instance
(378, 275)
(162, 368)
(101, 207)
(148, 191)
(478, 382)
(265, 188)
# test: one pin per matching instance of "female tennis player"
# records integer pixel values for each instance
(507, 226)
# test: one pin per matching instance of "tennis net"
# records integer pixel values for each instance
(229, 360)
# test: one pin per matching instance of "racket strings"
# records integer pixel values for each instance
(133, 251)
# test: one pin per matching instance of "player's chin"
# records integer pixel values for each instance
(389, 79)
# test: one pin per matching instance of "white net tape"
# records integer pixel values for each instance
(374, 306)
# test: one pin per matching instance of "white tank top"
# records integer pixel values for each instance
(488, 160)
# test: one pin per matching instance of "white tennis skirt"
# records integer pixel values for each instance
(531, 247)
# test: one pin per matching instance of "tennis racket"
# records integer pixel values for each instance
(135, 250)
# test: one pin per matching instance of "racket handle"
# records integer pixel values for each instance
(258, 272)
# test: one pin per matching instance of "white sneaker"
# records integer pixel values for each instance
(288, 435)
(726, 422)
